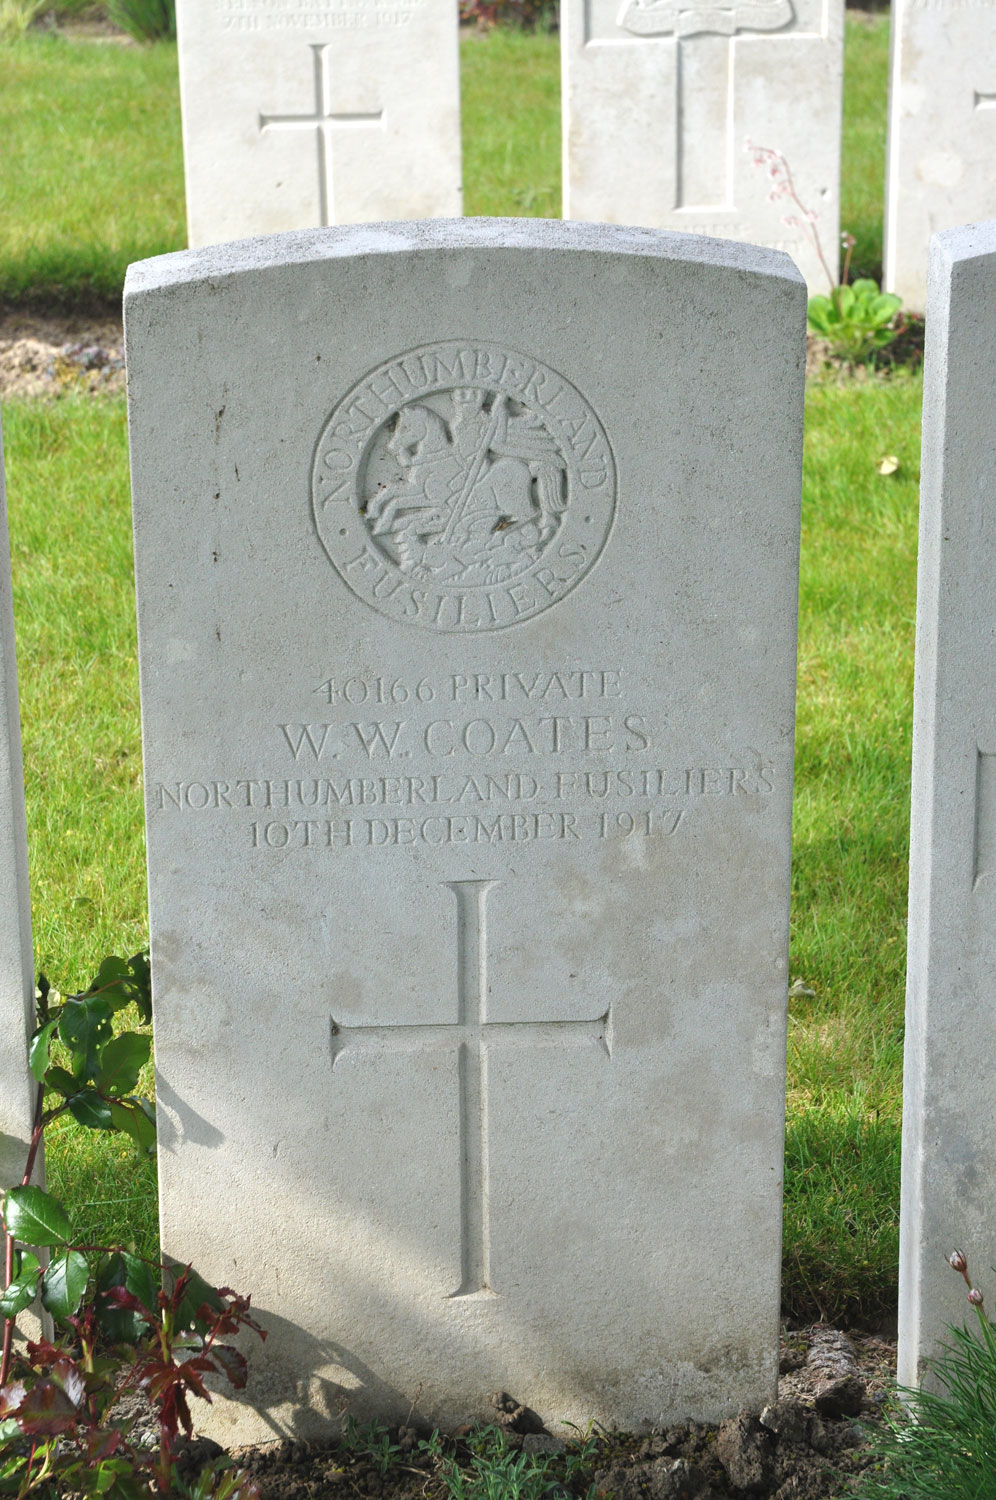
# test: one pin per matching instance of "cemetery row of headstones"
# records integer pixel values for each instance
(303, 113)
(466, 563)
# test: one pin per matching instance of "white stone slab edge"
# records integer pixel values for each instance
(950, 251)
(16, 954)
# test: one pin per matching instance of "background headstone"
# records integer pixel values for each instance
(949, 1106)
(942, 132)
(660, 96)
(16, 957)
(309, 112)
(466, 561)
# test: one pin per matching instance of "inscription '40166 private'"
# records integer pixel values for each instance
(463, 487)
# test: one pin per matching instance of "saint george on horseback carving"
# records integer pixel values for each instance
(480, 491)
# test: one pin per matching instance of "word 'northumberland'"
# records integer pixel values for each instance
(291, 793)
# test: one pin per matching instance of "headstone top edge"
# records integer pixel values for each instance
(400, 237)
(966, 242)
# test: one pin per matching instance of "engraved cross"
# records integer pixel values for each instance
(704, 31)
(323, 122)
(472, 1034)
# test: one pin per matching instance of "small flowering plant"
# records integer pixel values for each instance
(856, 318)
(941, 1443)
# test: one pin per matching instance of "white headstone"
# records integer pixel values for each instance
(949, 1109)
(660, 98)
(16, 957)
(310, 112)
(942, 131)
(466, 562)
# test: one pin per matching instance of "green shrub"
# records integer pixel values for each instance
(145, 20)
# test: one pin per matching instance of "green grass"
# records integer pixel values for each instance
(70, 533)
(511, 156)
(862, 189)
(91, 173)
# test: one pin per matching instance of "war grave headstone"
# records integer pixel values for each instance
(949, 1106)
(466, 561)
(16, 956)
(313, 112)
(942, 132)
(661, 97)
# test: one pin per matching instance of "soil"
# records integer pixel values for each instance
(811, 1444)
(53, 355)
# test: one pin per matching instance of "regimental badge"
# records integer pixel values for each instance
(463, 487)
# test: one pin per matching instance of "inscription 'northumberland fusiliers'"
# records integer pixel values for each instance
(463, 487)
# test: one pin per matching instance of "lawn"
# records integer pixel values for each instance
(71, 224)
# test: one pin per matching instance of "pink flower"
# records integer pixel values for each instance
(975, 1297)
(956, 1260)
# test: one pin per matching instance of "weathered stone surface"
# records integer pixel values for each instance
(325, 112)
(466, 561)
(659, 97)
(942, 132)
(16, 957)
(949, 1107)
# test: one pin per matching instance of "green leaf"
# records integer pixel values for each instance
(38, 1050)
(121, 1062)
(64, 1283)
(23, 1287)
(132, 1116)
(121, 1324)
(85, 1026)
(123, 981)
(34, 1218)
(91, 1110)
(62, 1081)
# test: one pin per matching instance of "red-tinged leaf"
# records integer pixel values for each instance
(102, 1442)
(43, 1353)
(11, 1397)
(175, 1412)
(121, 1297)
(188, 1373)
(233, 1363)
(46, 1410)
(71, 1378)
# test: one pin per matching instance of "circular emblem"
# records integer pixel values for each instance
(463, 487)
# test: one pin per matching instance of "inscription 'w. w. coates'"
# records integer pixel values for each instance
(463, 487)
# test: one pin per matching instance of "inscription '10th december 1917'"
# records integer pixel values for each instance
(470, 758)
